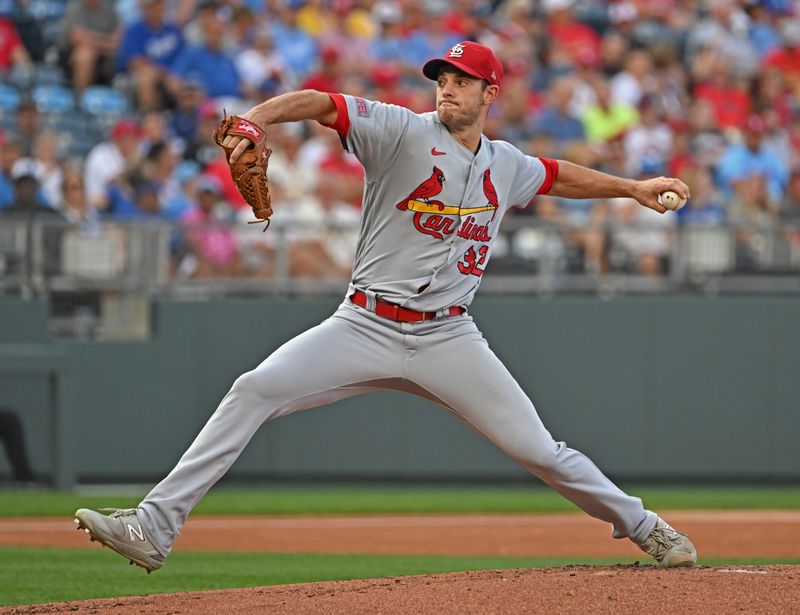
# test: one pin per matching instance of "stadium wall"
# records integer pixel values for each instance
(679, 388)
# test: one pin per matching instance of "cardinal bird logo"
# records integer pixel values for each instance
(426, 190)
(489, 191)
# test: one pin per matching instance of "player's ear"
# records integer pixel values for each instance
(490, 94)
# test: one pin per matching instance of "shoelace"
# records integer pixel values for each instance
(663, 540)
(118, 512)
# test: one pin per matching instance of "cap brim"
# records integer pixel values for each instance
(432, 68)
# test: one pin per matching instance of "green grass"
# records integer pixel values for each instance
(333, 499)
(33, 575)
(36, 575)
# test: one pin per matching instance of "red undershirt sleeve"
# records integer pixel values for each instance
(551, 173)
(342, 123)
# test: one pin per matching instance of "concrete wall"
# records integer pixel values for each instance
(657, 388)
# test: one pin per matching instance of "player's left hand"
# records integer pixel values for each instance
(646, 191)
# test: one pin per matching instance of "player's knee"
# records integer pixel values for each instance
(247, 385)
(540, 459)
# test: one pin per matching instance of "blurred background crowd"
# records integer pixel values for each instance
(107, 107)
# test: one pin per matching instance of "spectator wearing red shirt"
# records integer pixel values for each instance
(456, 20)
(787, 58)
(385, 76)
(220, 170)
(348, 172)
(727, 93)
(327, 77)
(576, 39)
(12, 51)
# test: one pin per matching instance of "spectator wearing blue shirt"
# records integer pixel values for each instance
(741, 160)
(555, 120)
(706, 206)
(297, 49)
(208, 63)
(388, 46)
(136, 202)
(760, 31)
(9, 152)
(6, 191)
(426, 41)
(148, 49)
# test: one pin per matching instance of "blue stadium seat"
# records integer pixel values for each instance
(49, 75)
(53, 99)
(101, 100)
(72, 121)
(9, 98)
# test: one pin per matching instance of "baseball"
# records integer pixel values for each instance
(671, 200)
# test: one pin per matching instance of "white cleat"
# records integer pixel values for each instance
(121, 532)
(669, 547)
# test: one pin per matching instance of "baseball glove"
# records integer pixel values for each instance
(249, 172)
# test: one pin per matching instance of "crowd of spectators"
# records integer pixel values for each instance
(705, 90)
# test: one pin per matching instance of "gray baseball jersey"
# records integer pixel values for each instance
(431, 207)
(431, 211)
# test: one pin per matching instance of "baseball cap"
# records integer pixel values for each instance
(209, 183)
(208, 109)
(126, 127)
(27, 167)
(473, 58)
(384, 74)
(551, 6)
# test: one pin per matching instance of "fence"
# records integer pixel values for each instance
(99, 278)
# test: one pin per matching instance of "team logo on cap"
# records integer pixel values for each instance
(456, 51)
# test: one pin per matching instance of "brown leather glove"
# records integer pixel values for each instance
(249, 172)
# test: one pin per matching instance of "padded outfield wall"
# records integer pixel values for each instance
(651, 388)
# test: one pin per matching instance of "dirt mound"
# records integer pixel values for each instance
(566, 590)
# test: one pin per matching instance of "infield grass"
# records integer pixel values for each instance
(337, 499)
(35, 575)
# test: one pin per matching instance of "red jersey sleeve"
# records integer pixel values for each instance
(342, 123)
(550, 174)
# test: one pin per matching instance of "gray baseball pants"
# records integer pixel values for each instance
(355, 352)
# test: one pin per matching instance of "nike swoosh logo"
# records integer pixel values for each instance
(435, 152)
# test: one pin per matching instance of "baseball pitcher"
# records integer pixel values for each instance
(435, 192)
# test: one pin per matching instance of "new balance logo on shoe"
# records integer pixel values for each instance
(137, 531)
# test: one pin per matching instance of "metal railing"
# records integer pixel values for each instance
(42, 257)
(100, 278)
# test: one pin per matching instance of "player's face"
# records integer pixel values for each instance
(460, 98)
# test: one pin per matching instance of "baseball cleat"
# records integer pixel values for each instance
(121, 532)
(669, 547)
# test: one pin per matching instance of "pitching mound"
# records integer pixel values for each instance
(571, 589)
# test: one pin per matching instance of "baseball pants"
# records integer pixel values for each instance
(355, 352)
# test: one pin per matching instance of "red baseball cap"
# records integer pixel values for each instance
(126, 127)
(473, 58)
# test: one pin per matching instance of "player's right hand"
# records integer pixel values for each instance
(648, 190)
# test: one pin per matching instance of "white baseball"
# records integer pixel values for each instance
(671, 200)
